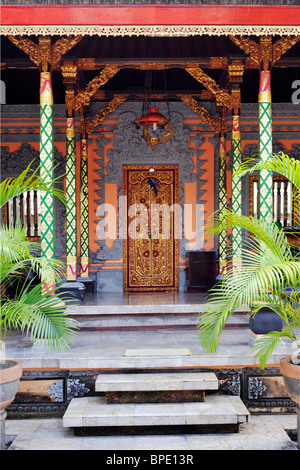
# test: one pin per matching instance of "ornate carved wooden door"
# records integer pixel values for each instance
(151, 245)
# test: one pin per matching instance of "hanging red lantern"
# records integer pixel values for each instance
(154, 119)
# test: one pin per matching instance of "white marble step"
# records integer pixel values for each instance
(141, 382)
(151, 320)
(95, 412)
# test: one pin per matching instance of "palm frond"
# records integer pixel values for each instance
(29, 180)
(278, 163)
(264, 347)
(40, 315)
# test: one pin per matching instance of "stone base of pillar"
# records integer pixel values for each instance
(76, 289)
(88, 283)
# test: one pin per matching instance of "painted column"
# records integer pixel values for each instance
(71, 219)
(46, 172)
(265, 144)
(222, 192)
(236, 191)
(84, 210)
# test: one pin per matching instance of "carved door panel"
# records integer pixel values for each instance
(151, 244)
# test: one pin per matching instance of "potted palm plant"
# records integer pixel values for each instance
(270, 277)
(32, 309)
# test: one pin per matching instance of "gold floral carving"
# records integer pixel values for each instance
(151, 231)
(70, 101)
(218, 62)
(69, 71)
(44, 54)
(235, 71)
(153, 141)
(87, 63)
(213, 123)
(249, 46)
(283, 45)
(96, 120)
(61, 46)
(83, 98)
(152, 66)
(265, 53)
(222, 97)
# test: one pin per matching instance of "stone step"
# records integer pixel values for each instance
(131, 321)
(94, 412)
(171, 381)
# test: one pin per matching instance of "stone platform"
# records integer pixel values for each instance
(161, 402)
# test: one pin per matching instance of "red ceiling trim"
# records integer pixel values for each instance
(150, 15)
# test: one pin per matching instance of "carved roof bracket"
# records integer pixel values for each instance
(264, 54)
(214, 124)
(98, 118)
(222, 97)
(44, 54)
(83, 98)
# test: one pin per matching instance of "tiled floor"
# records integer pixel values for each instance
(261, 433)
(104, 349)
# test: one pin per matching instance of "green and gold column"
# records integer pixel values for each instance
(84, 210)
(236, 191)
(71, 212)
(222, 191)
(69, 71)
(265, 144)
(235, 71)
(46, 172)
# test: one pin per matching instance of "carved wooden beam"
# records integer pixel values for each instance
(222, 97)
(213, 123)
(90, 63)
(98, 118)
(83, 98)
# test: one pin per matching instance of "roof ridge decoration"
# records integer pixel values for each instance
(153, 31)
(162, 20)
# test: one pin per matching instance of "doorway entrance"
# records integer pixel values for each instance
(151, 221)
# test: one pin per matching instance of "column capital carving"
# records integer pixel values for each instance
(264, 54)
(44, 54)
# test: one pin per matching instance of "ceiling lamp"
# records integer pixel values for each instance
(152, 121)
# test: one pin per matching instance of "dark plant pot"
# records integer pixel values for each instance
(291, 378)
(264, 321)
(10, 373)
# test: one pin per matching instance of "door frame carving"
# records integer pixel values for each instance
(176, 231)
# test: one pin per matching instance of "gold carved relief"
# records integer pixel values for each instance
(222, 97)
(96, 120)
(44, 54)
(264, 54)
(151, 241)
(213, 123)
(83, 98)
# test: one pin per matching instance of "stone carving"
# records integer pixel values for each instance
(129, 147)
(74, 389)
(256, 387)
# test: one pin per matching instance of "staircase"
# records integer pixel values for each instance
(160, 402)
(131, 317)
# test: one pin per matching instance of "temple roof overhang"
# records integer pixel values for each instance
(151, 20)
(137, 38)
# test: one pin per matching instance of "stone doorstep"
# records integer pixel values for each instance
(141, 382)
(95, 412)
